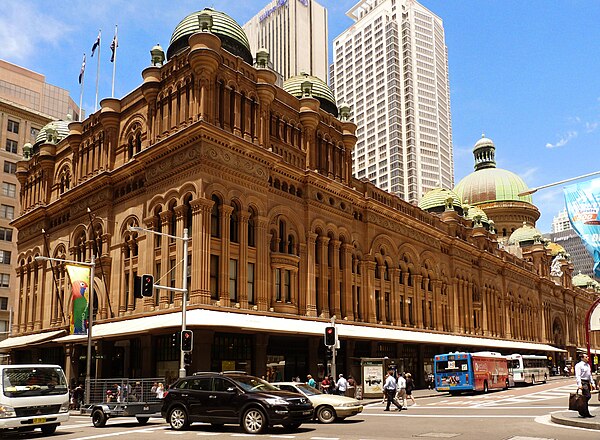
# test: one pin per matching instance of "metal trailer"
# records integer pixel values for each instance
(123, 398)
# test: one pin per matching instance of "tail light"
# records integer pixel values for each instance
(165, 394)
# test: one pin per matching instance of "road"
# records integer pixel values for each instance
(521, 413)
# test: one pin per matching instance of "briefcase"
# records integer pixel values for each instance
(576, 401)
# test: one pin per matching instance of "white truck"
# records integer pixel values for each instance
(33, 396)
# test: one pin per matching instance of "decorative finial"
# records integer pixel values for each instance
(157, 55)
(262, 58)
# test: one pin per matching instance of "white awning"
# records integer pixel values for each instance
(20, 341)
(304, 326)
(584, 350)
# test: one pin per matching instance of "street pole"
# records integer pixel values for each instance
(333, 351)
(184, 297)
(90, 322)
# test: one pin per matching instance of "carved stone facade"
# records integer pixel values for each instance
(279, 228)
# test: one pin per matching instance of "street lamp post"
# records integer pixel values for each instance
(184, 288)
(88, 360)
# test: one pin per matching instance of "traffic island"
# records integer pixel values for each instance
(572, 418)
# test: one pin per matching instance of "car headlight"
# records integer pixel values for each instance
(64, 407)
(350, 404)
(7, 411)
(277, 401)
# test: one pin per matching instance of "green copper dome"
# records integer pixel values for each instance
(320, 91)
(488, 183)
(435, 200)
(524, 236)
(52, 133)
(582, 280)
(233, 38)
(473, 211)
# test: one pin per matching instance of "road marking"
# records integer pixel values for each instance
(449, 416)
(325, 438)
(282, 436)
(116, 434)
(209, 433)
(546, 420)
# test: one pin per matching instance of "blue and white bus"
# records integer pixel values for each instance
(458, 371)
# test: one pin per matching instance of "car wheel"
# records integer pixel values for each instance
(49, 429)
(178, 418)
(99, 418)
(254, 421)
(326, 414)
(292, 426)
(142, 420)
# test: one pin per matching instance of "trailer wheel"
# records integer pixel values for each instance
(99, 418)
(142, 420)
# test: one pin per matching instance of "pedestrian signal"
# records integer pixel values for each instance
(187, 340)
(187, 359)
(330, 336)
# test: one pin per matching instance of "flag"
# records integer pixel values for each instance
(583, 207)
(82, 71)
(96, 44)
(80, 281)
(113, 47)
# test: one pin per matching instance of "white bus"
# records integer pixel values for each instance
(527, 368)
(33, 396)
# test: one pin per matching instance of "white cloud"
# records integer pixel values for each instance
(590, 127)
(24, 29)
(529, 174)
(564, 140)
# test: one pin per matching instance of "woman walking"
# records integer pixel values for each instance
(410, 385)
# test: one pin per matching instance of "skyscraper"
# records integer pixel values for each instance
(391, 67)
(295, 34)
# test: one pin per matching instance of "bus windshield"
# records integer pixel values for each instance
(514, 364)
(448, 366)
(33, 381)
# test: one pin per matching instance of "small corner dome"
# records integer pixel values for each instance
(435, 200)
(46, 135)
(582, 280)
(483, 142)
(233, 38)
(555, 249)
(320, 91)
(474, 211)
(524, 236)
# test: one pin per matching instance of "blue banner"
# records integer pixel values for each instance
(583, 207)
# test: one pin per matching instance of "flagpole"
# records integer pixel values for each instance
(81, 88)
(98, 70)
(116, 44)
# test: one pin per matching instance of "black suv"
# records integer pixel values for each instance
(236, 398)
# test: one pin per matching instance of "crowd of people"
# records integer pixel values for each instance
(398, 390)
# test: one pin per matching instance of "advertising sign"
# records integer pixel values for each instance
(373, 378)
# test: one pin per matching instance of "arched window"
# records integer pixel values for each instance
(252, 227)
(291, 245)
(158, 228)
(234, 223)
(215, 218)
(138, 142)
(80, 253)
(386, 273)
(282, 235)
(172, 222)
(188, 215)
(130, 150)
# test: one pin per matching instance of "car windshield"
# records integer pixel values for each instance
(307, 390)
(34, 381)
(253, 384)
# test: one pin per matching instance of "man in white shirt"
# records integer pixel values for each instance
(341, 385)
(390, 391)
(583, 376)
(401, 391)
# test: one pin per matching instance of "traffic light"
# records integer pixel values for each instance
(187, 340)
(147, 285)
(329, 354)
(187, 359)
(330, 336)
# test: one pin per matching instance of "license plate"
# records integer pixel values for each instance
(305, 413)
(146, 408)
(39, 420)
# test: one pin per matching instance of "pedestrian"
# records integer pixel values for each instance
(430, 381)
(566, 370)
(401, 391)
(78, 396)
(325, 384)
(341, 385)
(351, 387)
(410, 386)
(160, 390)
(310, 381)
(583, 376)
(390, 391)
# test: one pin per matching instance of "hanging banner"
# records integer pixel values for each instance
(80, 281)
(582, 201)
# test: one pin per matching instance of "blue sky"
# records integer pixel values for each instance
(526, 73)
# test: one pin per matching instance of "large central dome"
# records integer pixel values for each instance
(233, 38)
(488, 183)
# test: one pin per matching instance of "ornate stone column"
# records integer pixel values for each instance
(262, 263)
(322, 243)
(311, 301)
(200, 289)
(225, 213)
